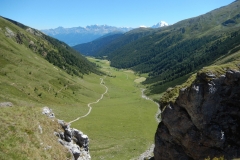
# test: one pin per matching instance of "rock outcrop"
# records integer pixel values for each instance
(6, 104)
(203, 122)
(48, 112)
(74, 140)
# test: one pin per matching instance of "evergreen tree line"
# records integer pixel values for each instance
(169, 56)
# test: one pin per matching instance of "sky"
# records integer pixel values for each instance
(49, 14)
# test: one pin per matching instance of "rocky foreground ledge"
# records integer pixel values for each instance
(203, 122)
(74, 140)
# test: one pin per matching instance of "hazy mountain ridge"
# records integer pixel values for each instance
(90, 48)
(111, 43)
(77, 35)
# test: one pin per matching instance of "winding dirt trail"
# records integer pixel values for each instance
(89, 104)
(149, 152)
(147, 98)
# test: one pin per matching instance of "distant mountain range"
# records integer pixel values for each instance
(78, 35)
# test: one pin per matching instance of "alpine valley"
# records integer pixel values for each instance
(122, 86)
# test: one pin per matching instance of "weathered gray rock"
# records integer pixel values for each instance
(75, 149)
(61, 122)
(82, 139)
(34, 32)
(203, 122)
(9, 32)
(47, 111)
(6, 104)
(61, 135)
(75, 141)
(30, 30)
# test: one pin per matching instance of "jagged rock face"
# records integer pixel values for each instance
(75, 141)
(203, 122)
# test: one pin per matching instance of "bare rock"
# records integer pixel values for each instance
(6, 104)
(47, 111)
(75, 151)
(203, 122)
(9, 33)
(34, 32)
(75, 141)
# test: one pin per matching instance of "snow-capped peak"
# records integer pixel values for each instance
(160, 24)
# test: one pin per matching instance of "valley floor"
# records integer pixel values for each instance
(122, 124)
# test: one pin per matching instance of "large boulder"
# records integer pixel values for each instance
(204, 120)
(74, 140)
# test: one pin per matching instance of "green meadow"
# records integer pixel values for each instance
(122, 125)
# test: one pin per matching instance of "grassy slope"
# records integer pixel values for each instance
(55, 51)
(122, 125)
(26, 79)
(21, 138)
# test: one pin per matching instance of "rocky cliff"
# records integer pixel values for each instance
(204, 120)
(74, 140)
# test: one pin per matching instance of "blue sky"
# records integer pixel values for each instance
(46, 14)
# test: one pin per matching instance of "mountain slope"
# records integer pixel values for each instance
(21, 137)
(30, 82)
(91, 48)
(126, 39)
(28, 79)
(170, 53)
(56, 52)
(78, 35)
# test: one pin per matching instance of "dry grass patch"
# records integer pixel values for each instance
(139, 80)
